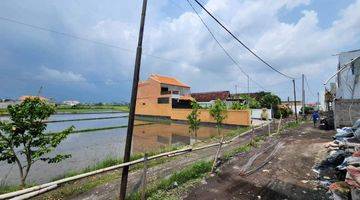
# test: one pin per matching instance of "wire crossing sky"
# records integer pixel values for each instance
(82, 51)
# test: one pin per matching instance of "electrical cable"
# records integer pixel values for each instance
(242, 43)
(85, 39)
(222, 47)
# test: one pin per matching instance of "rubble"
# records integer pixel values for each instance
(340, 171)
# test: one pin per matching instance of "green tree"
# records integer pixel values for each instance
(238, 106)
(22, 138)
(252, 102)
(270, 100)
(218, 112)
(193, 118)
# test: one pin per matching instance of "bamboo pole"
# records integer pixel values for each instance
(217, 155)
(33, 194)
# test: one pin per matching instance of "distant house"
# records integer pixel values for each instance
(255, 95)
(71, 102)
(22, 98)
(207, 99)
(4, 103)
(291, 105)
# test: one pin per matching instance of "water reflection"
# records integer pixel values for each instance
(156, 136)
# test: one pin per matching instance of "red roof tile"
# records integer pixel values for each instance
(209, 96)
(168, 80)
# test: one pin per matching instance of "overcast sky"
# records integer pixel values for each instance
(295, 36)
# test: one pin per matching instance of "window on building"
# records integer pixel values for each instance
(165, 90)
(163, 100)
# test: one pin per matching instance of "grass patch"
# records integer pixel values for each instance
(255, 142)
(158, 189)
(292, 125)
(3, 111)
(90, 109)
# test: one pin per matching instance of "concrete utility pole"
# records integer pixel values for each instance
(318, 101)
(296, 117)
(303, 95)
(248, 85)
(130, 129)
(236, 91)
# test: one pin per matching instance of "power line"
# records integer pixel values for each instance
(85, 39)
(222, 47)
(310, 91)
(245, 46)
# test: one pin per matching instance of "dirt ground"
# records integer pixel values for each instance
(286, 171)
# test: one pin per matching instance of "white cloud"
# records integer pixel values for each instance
(50, 74)
(302, 46)
(294, 48)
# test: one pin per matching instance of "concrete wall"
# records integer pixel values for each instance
(147, 103)
(256, 113)
(234, 117)
(341, 112)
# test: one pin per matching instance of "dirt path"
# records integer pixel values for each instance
(288, 175)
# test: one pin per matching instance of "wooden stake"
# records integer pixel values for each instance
(143, 181)
(217, 155)
(278, 129)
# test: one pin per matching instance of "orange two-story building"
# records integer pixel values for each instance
(158, 95)
(167, 97)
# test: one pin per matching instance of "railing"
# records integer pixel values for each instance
(36, 190)
(165, 92)
(169, 92)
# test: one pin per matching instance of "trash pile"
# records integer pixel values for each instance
(340, 171)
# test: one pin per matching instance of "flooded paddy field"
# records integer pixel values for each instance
(89, 148)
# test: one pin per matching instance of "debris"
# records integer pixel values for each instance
(355, 194)
(304, 181)
(349, 161)
(266, 170)
(339, 191)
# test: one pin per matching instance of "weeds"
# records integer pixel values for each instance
(158, 190)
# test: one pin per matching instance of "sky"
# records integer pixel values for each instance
(85, 50)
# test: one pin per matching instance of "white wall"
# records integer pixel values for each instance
(347, 81)
(256, 113)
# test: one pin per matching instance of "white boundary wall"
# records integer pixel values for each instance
(256, 113)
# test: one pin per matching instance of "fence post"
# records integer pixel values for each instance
(278, 129)
(269, 128)
(143, 181)
(217, 155)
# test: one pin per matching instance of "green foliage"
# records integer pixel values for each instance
(252, 102)
(239, 106)
(22, 139)
(270, 100)
(193, 117)
(308, 110)
(218, 112)
(282, 111)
